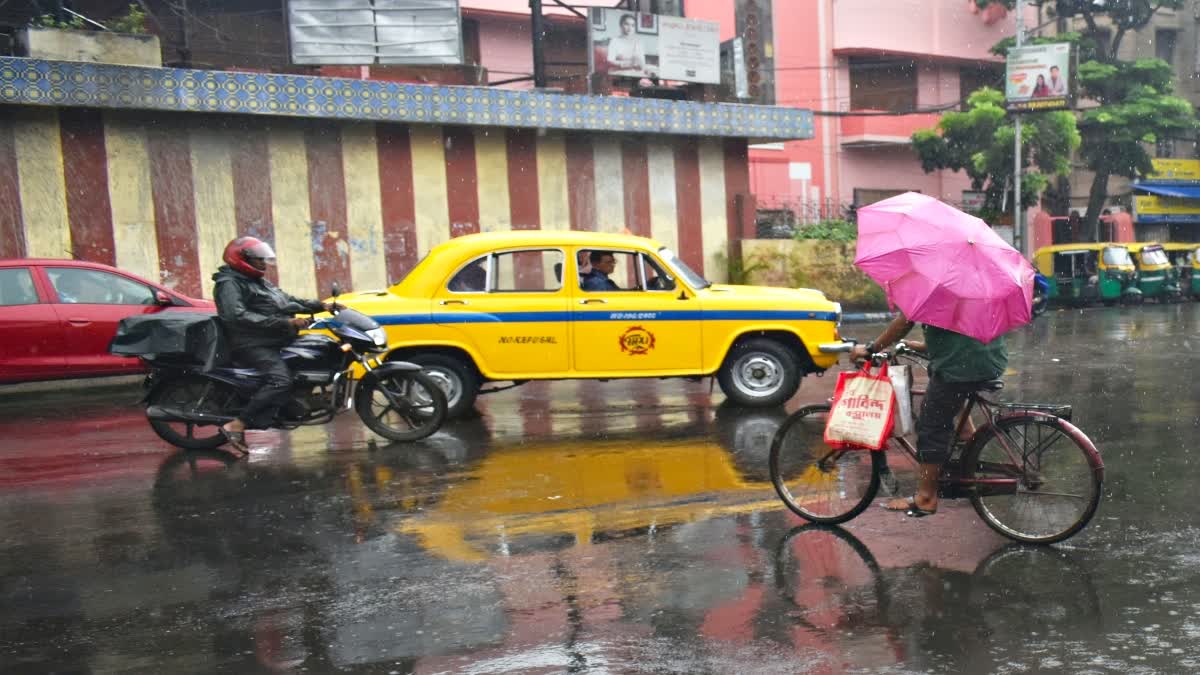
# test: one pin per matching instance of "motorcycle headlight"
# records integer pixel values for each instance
(378, 336)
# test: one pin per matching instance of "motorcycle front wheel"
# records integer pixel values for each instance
(402, 406)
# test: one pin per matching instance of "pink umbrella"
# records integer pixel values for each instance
(943, 267)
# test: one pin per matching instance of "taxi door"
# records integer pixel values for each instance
(642, 319)
(511, 307)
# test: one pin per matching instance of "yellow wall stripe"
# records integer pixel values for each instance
(553, 205)
(664, 213)
(212, 178)
(131, 196)
(38, 144)
(364, 214)
(290, 210)
(610, 184)
(712, 209)
(429, 186)
(491, 172)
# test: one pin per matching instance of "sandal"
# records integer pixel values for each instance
(911, 509)
(237, 443)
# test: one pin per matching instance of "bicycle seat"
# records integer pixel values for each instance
(991, 385)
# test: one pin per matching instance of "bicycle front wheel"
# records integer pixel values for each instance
(1045, 484)
(815, 481)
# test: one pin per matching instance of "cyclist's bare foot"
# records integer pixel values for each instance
(916, 506)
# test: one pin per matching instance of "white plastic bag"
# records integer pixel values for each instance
(901, 377)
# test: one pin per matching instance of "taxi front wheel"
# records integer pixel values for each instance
(759, 373)
(456, 377)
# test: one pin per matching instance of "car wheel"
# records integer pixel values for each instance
(457, 378)
(759, 373)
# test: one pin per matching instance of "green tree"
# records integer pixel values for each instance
(980, 140)
(1136, 102)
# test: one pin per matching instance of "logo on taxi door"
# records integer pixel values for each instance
(637, 340)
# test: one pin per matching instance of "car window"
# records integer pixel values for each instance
(656, 278)
(471, 278)
(528, 271)
(16, 287)
(80, 286)
(611, 271)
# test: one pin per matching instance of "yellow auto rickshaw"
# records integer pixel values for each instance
(1185, 258)
(1085, 273)
(1157, 278)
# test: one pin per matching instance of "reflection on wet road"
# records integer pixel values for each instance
(598, 527)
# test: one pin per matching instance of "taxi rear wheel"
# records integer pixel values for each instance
(759, 373)
(456, 377)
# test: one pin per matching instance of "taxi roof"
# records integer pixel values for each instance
(490, 240)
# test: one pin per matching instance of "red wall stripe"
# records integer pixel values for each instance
(174, 207)
(396, 195)
(85, 163)
(581, 182)
(635, 171)
(251, 167)
(12, 232)
(687, 203)
(327, 205)
(523, 195)
(739, 203)
(462, 182)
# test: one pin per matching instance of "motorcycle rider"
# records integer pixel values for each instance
(259, 320)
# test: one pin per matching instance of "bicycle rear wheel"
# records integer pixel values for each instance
(815, 481)
(1057, 479)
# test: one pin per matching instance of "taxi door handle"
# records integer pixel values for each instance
(452, 302)
(588, 301)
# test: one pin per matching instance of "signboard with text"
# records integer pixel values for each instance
(1175, 170)
(634, 44)
(1153, 209)
(1038, 77)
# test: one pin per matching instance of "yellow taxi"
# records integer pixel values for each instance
(548, 305)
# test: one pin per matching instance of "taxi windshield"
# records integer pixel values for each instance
(1154, 256)
(681, 269)
(1117, 255)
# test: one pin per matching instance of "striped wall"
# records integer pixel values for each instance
(160, 194)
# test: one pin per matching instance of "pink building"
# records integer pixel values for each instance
(913, 57)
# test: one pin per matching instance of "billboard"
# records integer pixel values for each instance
(622, 43)
(1175, 170)
(363, 32)
(1038, 77)
(1156, 209)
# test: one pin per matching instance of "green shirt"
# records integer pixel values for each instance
(958, 358)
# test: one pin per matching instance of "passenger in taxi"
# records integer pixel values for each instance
(470, 279)
(603, 264)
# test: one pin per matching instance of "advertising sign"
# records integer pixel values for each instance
(360, 32)
(1175, 170)
(1038, 77)
(1156, 209)
(632, 44)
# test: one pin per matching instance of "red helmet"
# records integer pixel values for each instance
(243, 252)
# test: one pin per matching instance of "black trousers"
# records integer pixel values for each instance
(277, 385)
(935, 425)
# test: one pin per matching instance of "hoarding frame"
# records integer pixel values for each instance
(1043, 102)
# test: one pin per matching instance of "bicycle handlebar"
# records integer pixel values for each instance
(844, 346)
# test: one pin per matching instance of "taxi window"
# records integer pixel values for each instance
(527, 271)
(654, 276)
(610, 271)
(471, 278)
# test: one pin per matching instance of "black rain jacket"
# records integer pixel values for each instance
(254, 312)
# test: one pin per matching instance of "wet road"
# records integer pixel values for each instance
(594, 527)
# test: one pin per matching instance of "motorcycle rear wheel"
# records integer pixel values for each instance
(402, 406)
(183, 394)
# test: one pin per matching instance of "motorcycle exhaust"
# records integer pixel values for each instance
(160, 413)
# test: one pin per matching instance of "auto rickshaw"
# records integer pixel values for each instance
(1185, 258)
(1157, 278)
(1084, 273)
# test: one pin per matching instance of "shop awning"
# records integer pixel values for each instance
(1178, 191)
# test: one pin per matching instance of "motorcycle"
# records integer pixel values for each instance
(187, 403)
(1041, 294)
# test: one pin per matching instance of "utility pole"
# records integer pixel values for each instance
(1018, 229)
(539, 56)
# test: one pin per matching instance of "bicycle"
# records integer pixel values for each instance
(1029, 472)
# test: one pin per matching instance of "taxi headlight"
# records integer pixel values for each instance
(378, 336)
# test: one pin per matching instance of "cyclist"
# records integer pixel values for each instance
(958, 365)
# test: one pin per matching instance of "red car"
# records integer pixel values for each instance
(58, 317)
